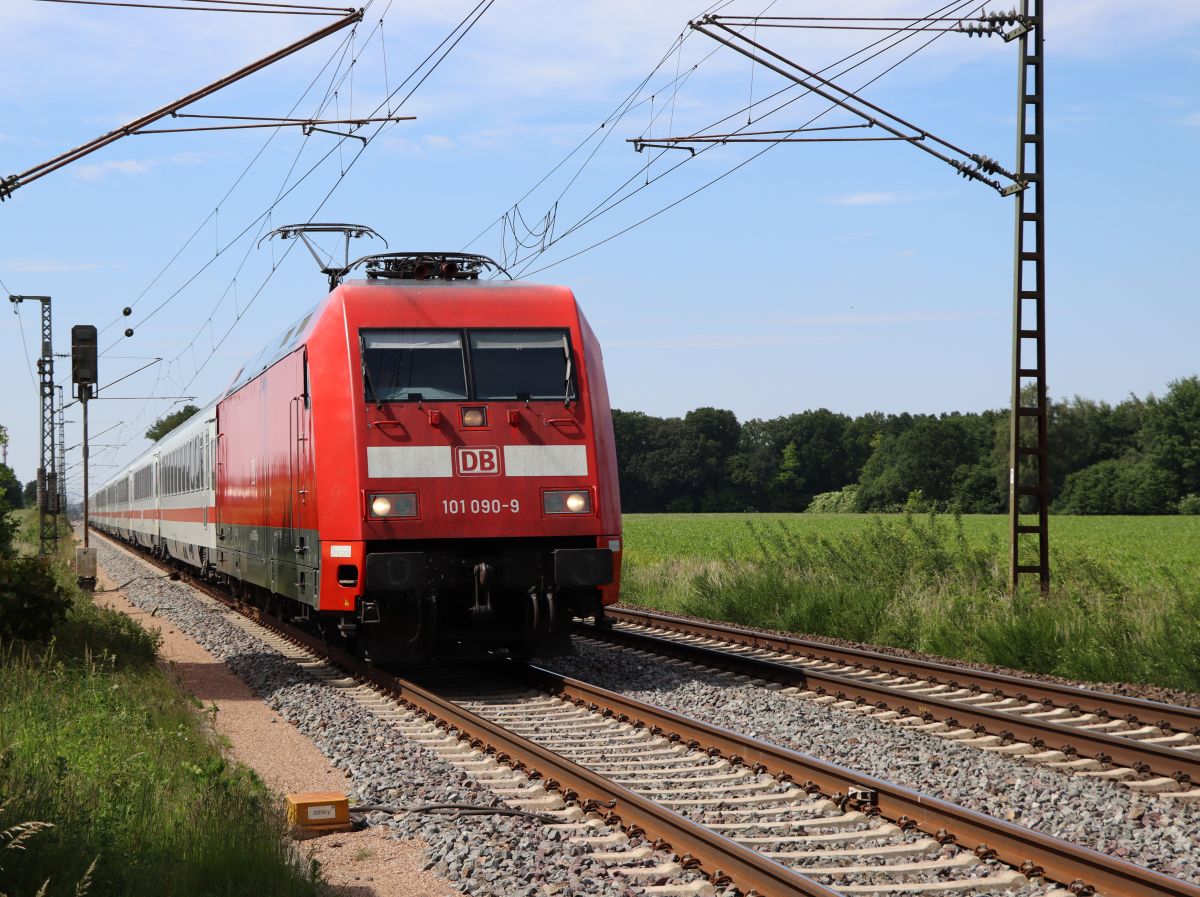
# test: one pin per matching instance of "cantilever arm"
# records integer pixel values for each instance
(9, 184)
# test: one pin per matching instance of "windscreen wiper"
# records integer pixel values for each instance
(567, 382)
(370, 382)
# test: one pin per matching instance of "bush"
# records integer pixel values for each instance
(1190, 504)
(844, 501)
(9, 525)
(917, 582)
(1130, 485)
(140, 800)
(32, 601)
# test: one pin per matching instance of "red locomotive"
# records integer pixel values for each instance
(424, 464)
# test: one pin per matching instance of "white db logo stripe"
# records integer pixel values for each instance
(385, 461)
(545, 460)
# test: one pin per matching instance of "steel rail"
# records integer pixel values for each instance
(1022, 848)
(1184, 767)
(1134, 710)
(718, 857)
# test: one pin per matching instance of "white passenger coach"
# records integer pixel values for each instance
(165, 499)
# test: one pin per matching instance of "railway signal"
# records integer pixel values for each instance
(84, 375)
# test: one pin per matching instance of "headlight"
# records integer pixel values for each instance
(567, 502)
(474, 417)
(393, 504)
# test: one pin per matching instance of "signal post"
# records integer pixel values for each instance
(83, 376)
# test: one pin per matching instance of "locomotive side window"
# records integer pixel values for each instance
(521, 364)
(413, 365)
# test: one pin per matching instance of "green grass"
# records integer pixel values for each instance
(1123, 607)
(96, 741)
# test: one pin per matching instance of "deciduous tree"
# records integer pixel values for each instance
(169, 422)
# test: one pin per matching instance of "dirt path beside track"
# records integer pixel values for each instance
(356, 864)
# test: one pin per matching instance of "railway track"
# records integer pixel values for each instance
(679, 807)
(1142, 745)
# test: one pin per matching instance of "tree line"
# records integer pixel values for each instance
(1140, 456)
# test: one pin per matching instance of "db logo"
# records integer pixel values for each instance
(477, 462)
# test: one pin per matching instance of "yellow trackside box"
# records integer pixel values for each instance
(316, 814)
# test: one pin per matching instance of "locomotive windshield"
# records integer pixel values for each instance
(520, 364)
(413, 365)
(429, 365)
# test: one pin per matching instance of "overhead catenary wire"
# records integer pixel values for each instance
(421, 73)
(602, 207)
(212, 215)
(613, 117)
(24, 344)
(338, 50)
(129, 5)
(899, 38)
(484, 4)
(482, 7)
(269, 3)
(627, 105)
(230, 191)
(610, 201)
(848, 100)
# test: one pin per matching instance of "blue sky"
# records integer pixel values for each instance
(849, 276)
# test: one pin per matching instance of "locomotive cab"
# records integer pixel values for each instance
(479, 437)
(422, 465)
(479, 528)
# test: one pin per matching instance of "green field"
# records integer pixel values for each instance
(1123, 607)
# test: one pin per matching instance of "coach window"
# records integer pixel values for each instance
(413, 365)
(521, 364)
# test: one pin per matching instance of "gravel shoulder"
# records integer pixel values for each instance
(1129, 689)
(485, 855)
(1143, 829)
(356, 864)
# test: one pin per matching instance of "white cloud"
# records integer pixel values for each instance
(915, 317)
(99, 171)
(809, 324)
(47, 266)
(421, 147)
(875, 198)
(720, 341)
(195, 158)
(1192, 121)
(1098, 28)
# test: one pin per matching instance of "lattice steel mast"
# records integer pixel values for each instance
(1030, 443)
(47, 475)
(1028, 449)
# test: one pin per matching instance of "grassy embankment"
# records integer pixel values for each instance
(1123, 607)
(97, 742)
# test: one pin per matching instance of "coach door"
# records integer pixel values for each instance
(304, 539)
(224, 547)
